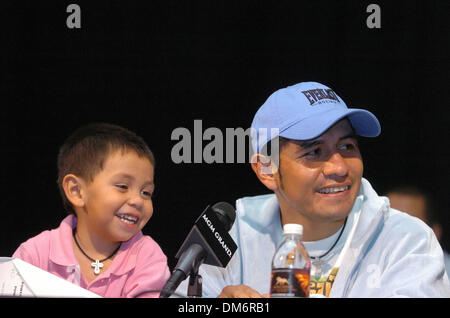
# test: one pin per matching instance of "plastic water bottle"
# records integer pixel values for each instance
(291, 265)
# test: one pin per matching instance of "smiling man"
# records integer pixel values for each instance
(318, 181)
(358, 245)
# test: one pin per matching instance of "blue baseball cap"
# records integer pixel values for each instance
(305, 111)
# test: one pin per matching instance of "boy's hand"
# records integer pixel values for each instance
(240, 291)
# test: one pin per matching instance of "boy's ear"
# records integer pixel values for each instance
(265, 170)
(73, 189)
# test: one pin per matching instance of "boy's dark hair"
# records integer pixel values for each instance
(85, 151)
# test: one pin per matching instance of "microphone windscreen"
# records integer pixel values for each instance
(225, 213)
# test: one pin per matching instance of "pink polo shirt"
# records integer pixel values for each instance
(138, 268)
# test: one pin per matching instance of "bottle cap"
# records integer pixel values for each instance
(293, 229)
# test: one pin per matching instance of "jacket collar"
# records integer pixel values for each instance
(374, 212)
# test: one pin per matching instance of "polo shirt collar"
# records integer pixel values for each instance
(61, 246)
(62, 253)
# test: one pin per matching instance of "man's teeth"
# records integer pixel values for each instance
(333, 190)
(127, 218)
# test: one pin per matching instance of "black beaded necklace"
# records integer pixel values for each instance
(96, 264)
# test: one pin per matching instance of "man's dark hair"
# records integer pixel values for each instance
(85, 151)
(268, 146)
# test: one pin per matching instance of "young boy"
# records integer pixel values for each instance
(105, 176)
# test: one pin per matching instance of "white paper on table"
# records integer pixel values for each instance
(21, 279)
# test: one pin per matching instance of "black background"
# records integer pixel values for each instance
(153, 66)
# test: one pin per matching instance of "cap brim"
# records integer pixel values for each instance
(364, 123)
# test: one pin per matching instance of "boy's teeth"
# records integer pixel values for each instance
(333, 190)
(127, 218)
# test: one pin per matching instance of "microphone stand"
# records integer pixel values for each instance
(195, 285)
(195, 280)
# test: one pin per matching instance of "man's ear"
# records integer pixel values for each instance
(73, 188)
(265, 170)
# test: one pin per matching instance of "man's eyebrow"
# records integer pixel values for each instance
(350, 135)
(310, 143)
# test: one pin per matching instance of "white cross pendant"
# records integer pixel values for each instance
(317, 266)
(97, 265)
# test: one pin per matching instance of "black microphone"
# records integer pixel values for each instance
(208, 242)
